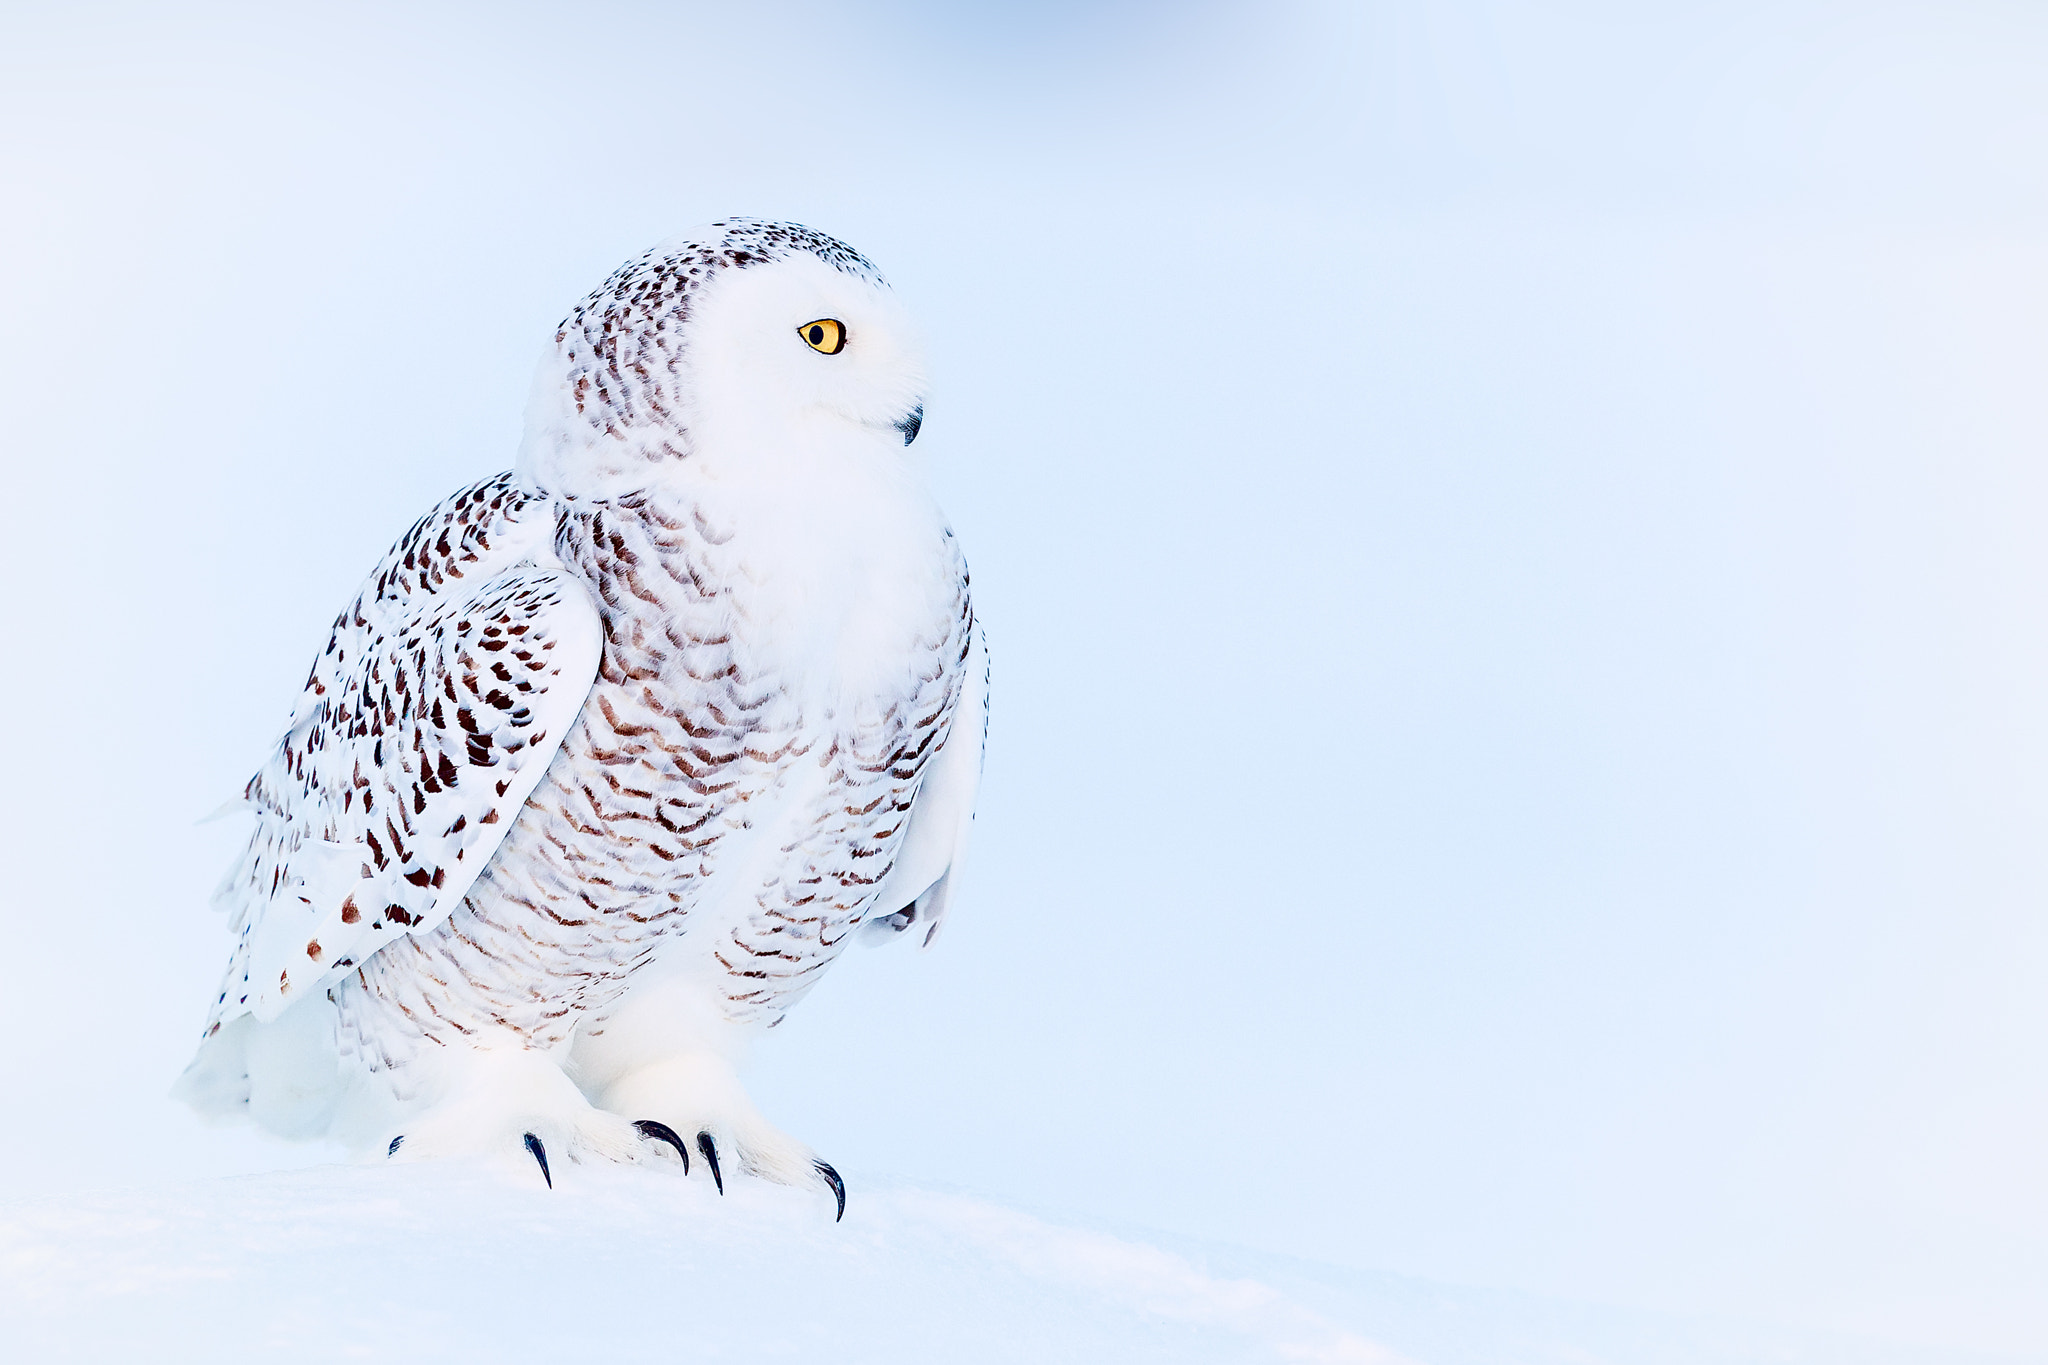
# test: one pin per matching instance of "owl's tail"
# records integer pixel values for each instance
(283, 1076)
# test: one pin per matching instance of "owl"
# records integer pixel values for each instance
(615, 751)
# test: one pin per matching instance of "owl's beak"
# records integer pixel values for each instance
(909, 425)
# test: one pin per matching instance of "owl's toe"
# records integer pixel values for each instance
(654, 1130)
(708, 1145)
(831, 1177)
(540, 1154)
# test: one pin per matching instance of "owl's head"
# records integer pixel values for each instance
(741, 349)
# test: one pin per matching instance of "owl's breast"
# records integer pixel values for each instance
(744, 669)
(843, 611)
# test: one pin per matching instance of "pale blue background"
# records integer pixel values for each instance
(1509, 534)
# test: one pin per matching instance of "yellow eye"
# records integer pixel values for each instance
(826, 334)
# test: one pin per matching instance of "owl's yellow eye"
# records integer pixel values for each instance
(826, 334)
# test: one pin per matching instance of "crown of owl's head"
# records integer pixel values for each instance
(718, 351)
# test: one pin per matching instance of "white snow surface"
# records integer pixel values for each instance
(450, 1262)
(431, 1261)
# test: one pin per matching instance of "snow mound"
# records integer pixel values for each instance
(457, 1263)
(461, 1263)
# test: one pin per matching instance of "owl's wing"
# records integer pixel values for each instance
(430, 717)
(921, 885)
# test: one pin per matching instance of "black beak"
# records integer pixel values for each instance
(909, 425)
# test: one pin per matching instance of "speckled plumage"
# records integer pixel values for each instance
(614, 752)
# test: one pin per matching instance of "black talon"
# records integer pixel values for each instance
(540, 1154)
(392, 1150)
(838, 1186)
(710, 1151)
(658, 1131)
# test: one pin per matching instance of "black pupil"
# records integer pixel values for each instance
(817, 336)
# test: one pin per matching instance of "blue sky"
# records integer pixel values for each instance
(1508, 534)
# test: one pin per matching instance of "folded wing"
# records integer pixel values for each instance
(432, 714)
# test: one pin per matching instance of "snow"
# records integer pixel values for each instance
(428, 1261)
(449, 1262)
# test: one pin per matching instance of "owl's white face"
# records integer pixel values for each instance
(743, 355)
(795, 353)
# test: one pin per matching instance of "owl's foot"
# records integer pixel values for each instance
(709, 1147)
(515, 1103)
(698, 1095)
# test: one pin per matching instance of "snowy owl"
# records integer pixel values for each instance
(614, 751)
